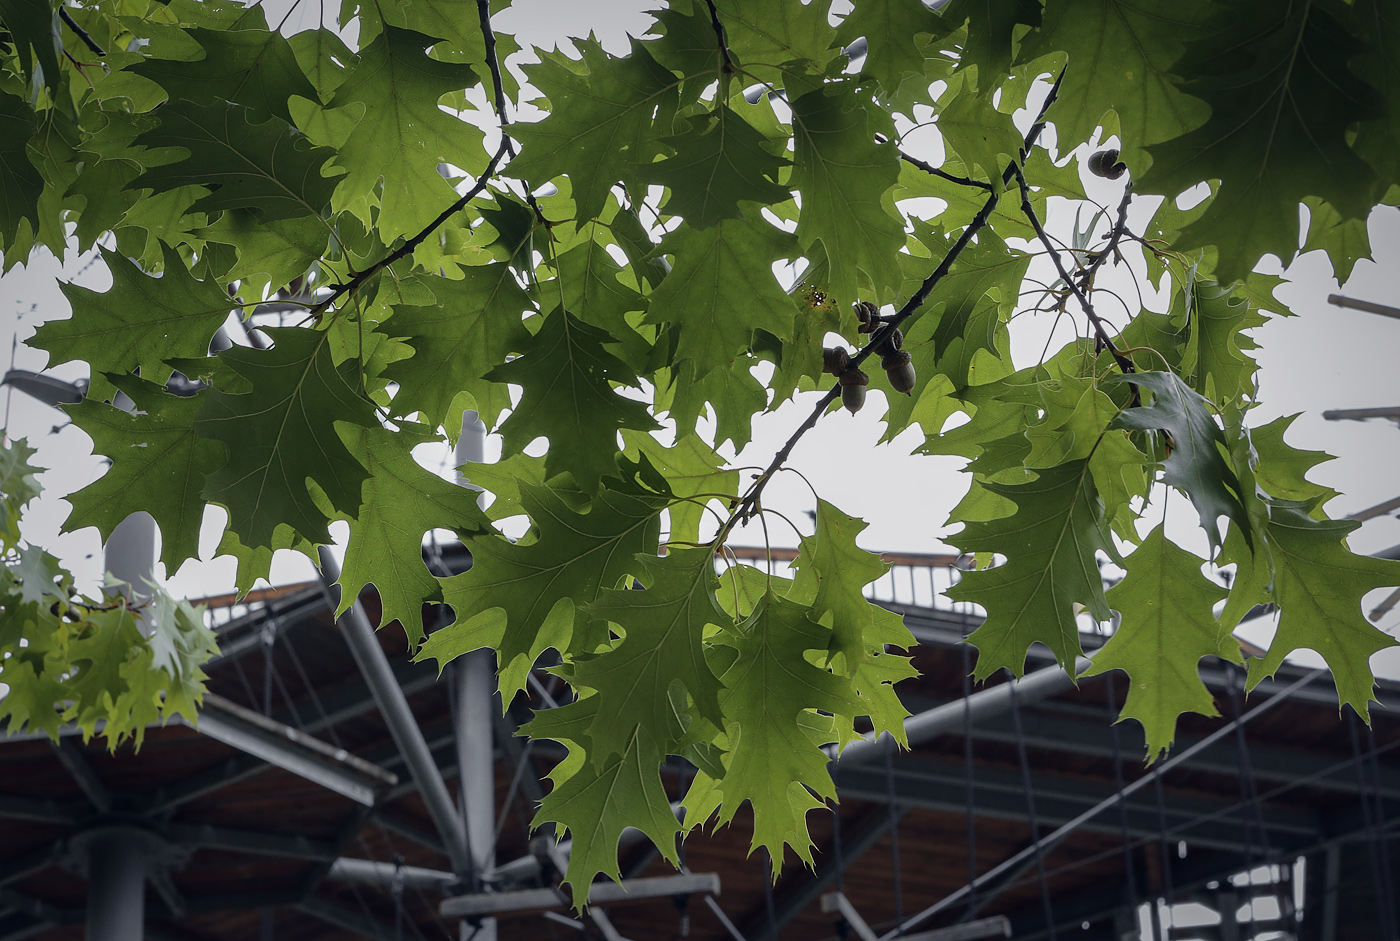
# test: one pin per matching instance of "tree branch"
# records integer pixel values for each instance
(746, 505)
(927, 167)
(407, 248)
(729, 66)
(1095, 320)
(78, 31)
(493, 62)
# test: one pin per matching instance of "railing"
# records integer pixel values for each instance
(914, 578)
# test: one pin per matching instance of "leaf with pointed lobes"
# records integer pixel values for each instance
(399, 135)
(846, 179)
(566, 378)
(523, 598)
(600, 123)
(717, 165)
(158, 466)
(18, 485)
(1167, 626)
(596, 800)
(777, 707)
(1196, 460)
(401, 502)
(832, 572)
(255, 68)
(263, 165)
(138, 323)
(282, 434)
(662, 627)
(1050, 544)
(472, 328)
(1318, 586)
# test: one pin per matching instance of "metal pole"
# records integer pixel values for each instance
(116, 908)
(475, 679)
(1371, 307)
(393, 705)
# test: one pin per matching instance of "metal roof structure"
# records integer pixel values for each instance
(309, 804)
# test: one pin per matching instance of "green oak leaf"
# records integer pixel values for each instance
(457, 341)
(992, 27)
(832, 571)
(734, 396)
(715, 167)
(566, 378)
(524, 598)
(98, 651)
(401, 501)
(1050, 544)
(1281, 469)
(596, 800)
(600, 122)
(1197, 461)
(1214, 360)
(588, 287)
(36, 687)
(36, 36)
(766, 35)
(977, 132)
(397, 134)
(1167, 627)
(18, 484)
(662, 627)
(324, 60)
(139, 323)
(721, 289)
(846, 179)
(891, 29)
(270, 254)
(1346, 241)
(1120, 54)
(1282, 102)
(281, 434)
(268, 166)
(1378, 140)
(158, 465)
(773, 761)
(255, 68)
(20, 182)
(694, 472)
(1318, 585)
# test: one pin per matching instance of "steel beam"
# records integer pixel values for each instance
(292, 846)
(292, 750)
(70, 753)
(39, 810)
(374, 666)
(373, 872)
(599, 893)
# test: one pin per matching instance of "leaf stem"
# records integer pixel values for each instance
(927, 167)
(745, 507)
(1075, 285)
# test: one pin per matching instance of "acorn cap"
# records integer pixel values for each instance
(854, 377)
(895, 360)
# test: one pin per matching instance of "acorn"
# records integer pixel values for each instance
(899, 367)
(891, 343)
(835, 360)
(1106, 164)
(868, 315)
(853, 383)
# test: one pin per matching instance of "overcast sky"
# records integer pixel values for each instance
(1324, 358)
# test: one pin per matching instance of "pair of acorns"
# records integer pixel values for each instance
(897, 363)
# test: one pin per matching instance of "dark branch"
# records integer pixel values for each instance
(729, 66)
(1095, 321)
(1120, 227)
(927, 167)
(493, 62)
(407, 248)
(747, 504)
(81, 33)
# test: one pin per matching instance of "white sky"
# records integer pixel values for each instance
(1324, 358)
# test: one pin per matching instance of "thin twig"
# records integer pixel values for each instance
(1095, 321)
(493, 62)
(927, 167)
(407, 248)
(744, 508)
(81, 33)
(1119, 227)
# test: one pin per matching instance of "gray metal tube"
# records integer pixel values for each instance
(1371, 307)
(116, 908)
(475, 679)
(373, 872)
(393, 705)
(949, 717)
